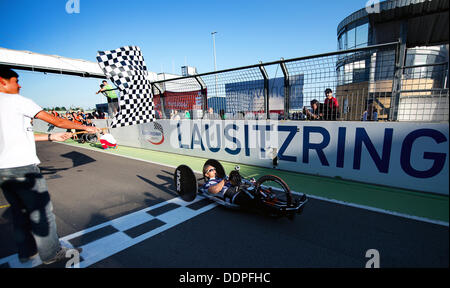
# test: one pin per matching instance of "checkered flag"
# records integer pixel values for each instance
(125, 67)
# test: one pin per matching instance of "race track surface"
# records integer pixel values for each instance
(125, 213)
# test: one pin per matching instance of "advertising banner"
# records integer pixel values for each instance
(406, 155)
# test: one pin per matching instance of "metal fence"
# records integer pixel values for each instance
(368, 83)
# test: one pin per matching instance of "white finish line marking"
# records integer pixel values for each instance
(116, 242)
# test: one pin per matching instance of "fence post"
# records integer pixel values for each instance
(204, 96)
(161, 98)
(266, 89)
(400, 58)
(287, 90)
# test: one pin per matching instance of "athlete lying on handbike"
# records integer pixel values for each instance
(226, 188)
(269, 194)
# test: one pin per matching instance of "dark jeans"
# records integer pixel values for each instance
(32, 211)
(113, 107)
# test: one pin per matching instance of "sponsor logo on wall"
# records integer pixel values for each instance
(154, 133)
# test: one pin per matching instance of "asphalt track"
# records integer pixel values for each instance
(125, 213)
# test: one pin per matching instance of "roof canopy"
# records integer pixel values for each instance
(26, 60)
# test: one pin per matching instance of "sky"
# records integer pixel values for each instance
(170, 33)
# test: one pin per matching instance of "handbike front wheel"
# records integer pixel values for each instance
(274, 191)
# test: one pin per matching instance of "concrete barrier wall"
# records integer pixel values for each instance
(405, 155)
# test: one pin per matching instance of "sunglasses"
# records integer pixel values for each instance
(210, 170)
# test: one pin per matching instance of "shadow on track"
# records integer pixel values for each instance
(166, 187)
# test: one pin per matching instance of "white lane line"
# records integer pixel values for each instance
(379, 210)
(116, 242)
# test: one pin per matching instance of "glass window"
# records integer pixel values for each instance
(362, 35)
(360, 73)
(344, 40)
(351, 38)
(409, 59)
(340, 75)
(385, 65)
(420, 59)
(431, 59)
(348, 73)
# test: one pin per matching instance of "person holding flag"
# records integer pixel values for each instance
(113, 101)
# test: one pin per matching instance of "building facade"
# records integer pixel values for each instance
(407, 83)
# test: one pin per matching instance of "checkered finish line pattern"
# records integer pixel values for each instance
(125, 67)
(104, 240)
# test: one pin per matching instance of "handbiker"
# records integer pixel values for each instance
(227, 188)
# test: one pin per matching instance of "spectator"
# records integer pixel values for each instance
(81, 116)
(96, 114)
(75, 119)
(222, 114)
(175, 115)
(239, 115)
(22, 183)
(331, 106)
(187, 115)
(113, 101)
(210, 115)
(315, 112)
(371, 113)
(89, 123)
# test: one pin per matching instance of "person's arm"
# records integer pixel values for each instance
(62, 136)
(335, 103)
(101, 90)
(216, 188)
(63, 123)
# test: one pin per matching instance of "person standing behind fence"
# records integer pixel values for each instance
(113, 101)
(210, 115)
(21, 180)
(371, 113)
(315, 112)
(331, 105)
(222, 114)
(175, 115)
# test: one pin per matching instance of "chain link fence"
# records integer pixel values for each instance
(363, 82)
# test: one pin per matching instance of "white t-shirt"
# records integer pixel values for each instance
(17, 146)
